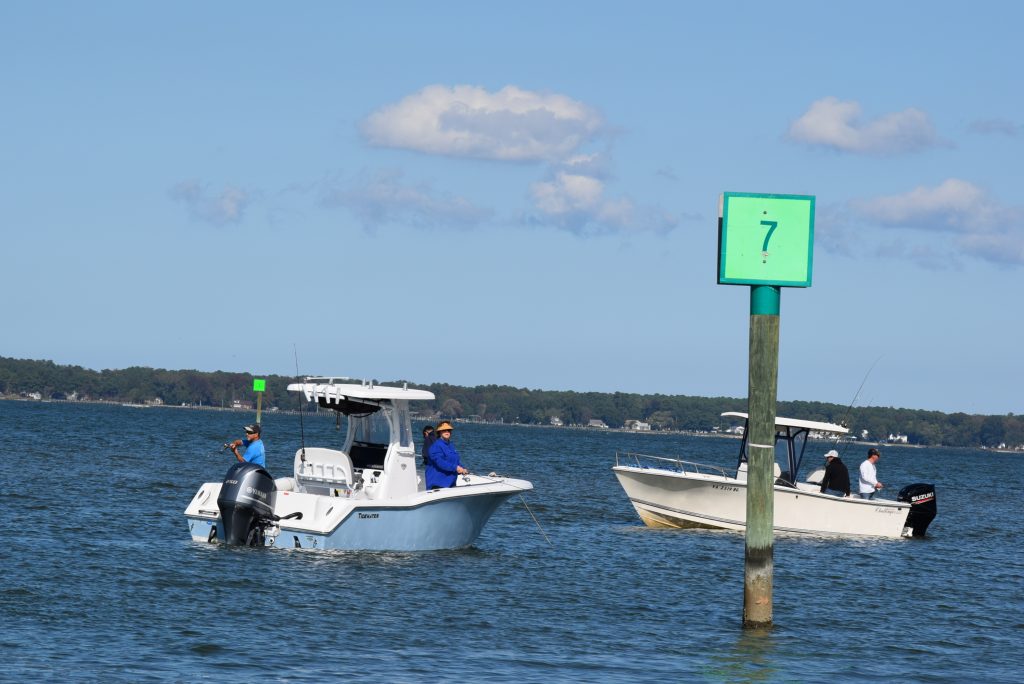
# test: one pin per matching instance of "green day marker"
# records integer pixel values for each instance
(765, 239)
(766, 242)
(259, 385)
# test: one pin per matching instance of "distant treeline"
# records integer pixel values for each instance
(20, 377)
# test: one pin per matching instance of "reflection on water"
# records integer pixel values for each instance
(751, 658)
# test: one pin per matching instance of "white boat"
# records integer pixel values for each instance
(669, 492)
(366, 495)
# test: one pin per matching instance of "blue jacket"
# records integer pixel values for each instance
(441, 470)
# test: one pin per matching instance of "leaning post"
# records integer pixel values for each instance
(766, 242)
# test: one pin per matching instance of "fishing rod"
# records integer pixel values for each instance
(302, 395)
(855, 397)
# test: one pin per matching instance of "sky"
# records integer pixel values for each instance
(519, 194)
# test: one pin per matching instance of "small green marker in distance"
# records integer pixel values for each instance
(259, 385)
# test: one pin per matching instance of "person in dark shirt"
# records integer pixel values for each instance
(837, 477)
(428, 441)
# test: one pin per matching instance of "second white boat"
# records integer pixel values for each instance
(668, 492)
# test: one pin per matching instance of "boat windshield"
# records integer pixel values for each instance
(371, 429)
(790, 444)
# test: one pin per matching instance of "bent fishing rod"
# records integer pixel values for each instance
(856, 395)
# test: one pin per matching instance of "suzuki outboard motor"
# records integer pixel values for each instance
(244, 504)
(923, 507)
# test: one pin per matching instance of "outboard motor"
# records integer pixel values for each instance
(244, 504)
(923, 507)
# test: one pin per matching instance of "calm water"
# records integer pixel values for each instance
(100, 581)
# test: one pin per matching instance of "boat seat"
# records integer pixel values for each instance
(741, 472)
(323, 468)
(285, 484)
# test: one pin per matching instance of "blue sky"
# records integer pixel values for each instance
(523, 194)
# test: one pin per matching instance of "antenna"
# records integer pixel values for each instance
(302, 397)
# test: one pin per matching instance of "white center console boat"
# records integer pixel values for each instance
(366, 495)
(669, 492)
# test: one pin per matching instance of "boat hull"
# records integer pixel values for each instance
(665, 498)
(433, 520)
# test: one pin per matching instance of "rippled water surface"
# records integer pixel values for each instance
(101, 582)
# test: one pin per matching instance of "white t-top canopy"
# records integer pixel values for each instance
(796, 423)
(317, 388)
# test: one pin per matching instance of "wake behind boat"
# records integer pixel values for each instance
(367, 495)
(669, 492)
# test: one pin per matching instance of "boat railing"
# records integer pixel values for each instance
(629, 458)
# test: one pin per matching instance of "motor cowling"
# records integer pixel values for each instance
(245, 503)
(923, 506)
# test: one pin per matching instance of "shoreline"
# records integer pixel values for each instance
(423, 418)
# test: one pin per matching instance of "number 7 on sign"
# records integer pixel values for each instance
(772, 225)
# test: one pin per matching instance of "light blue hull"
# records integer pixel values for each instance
(449, 523)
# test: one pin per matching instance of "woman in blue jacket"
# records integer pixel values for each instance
(443, 466)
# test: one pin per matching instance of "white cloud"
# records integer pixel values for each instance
(996, 127)
(227, 207)
(577, 202)
(981, 226)
(1000, 247)
(511, 124)
(834, 123)
(467, 121)
(385, 198)
(952, 205)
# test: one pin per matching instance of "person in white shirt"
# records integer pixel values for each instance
(869, 484)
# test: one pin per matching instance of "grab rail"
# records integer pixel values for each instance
(681, 465)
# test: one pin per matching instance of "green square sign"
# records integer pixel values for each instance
(765, 239)
(259, 385)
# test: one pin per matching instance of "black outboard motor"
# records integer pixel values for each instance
(244, 504)
(923, 507)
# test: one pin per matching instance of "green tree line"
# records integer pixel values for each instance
(19, 377)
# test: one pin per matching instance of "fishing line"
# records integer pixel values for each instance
(535, 520)
(528, 510)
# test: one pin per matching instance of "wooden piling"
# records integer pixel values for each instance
(761, 398)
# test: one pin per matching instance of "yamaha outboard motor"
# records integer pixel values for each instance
(923, 507)
(244, 504)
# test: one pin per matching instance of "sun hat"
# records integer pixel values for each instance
(445, 425)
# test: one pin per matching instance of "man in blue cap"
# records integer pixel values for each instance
(254, 452)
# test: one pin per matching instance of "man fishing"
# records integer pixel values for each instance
(254, 451)
(869, 484)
